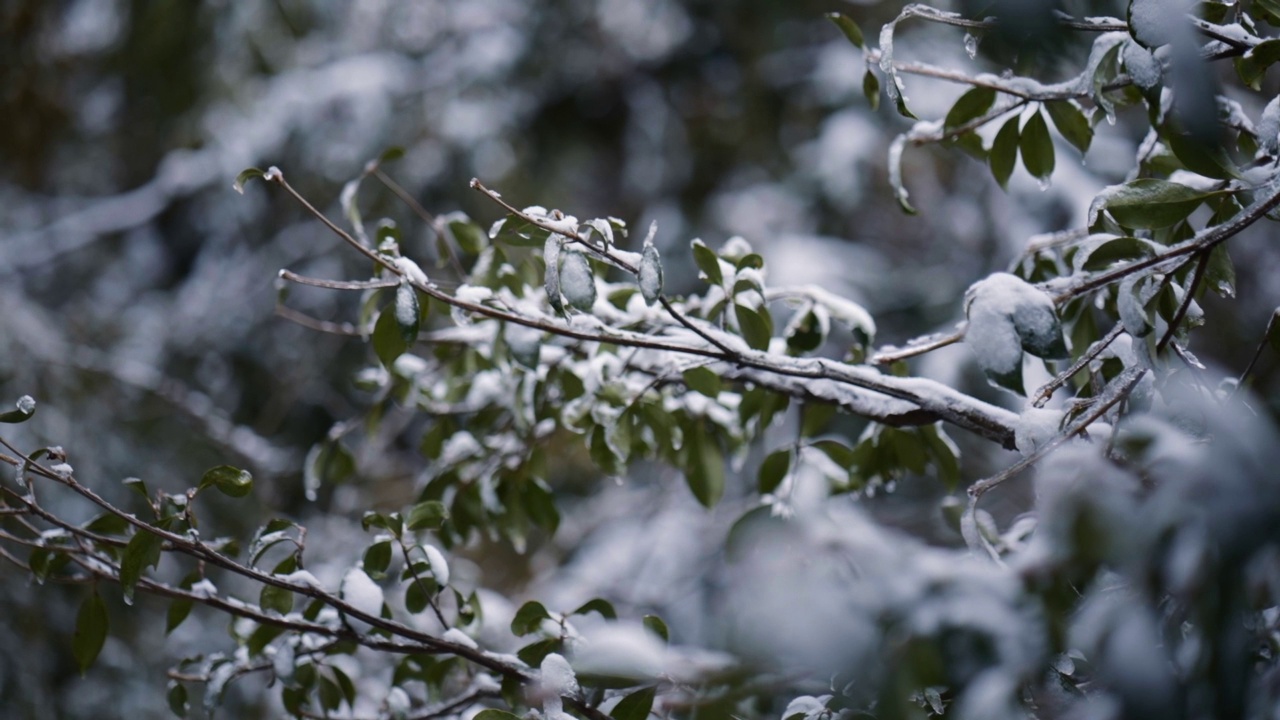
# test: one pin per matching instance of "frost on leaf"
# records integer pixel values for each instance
(650, 273)
(577, 282)
(551, 254)
(525, 344)
(1006, 316)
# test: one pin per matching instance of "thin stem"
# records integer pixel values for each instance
(1186, 301)
(376, 283)
(1262, 345)
(425, 216)
(918, 346)
(1048, 389)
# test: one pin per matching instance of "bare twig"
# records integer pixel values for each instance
(1196, 277)
(1046, 391)
(1118, 391)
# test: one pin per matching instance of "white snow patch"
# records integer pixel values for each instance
(457, 637)
(439, 566)
(1035, 428)
(361, 592)
(411, 270)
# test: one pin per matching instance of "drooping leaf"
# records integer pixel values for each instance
(245, 176)
(388, 337)
(577, 282)
(1071, 123)
(756, 326)
(849, 28)
(142, 552)
(707, 262)
(1036, 147)
(774, 469)
(871, 89)
(1220, 274)
(91, 631)
(24, 409)
(704, 467)
(650, 275)
(1004, 151)
(551, 254)
(406, 311)
(657, 626)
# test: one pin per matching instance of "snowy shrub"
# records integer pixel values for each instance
(1136, 575)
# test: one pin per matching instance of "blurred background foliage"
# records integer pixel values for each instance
(137, 289)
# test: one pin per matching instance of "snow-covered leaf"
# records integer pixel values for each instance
(577, 282)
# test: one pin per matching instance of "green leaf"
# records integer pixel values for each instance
(26, 407)
(138, 486)
(1004, 151)
(1150, 203)
(418, 594)
(469, 236)
(839, 453)
(1253, 64)
(702, 379)
(177, 613)
(756, 327)
(407, 312)
(179, 609)
(275, 598)
(657, 626)
(177, 698)
(704, 470)
(774, 469)
(970, 106)
(91, 631)
(707, 262)
(245, 176)
(597, 605)
(848, 27)
(1121, 249)
(533, 654)
(388, 339)
(377, 557)
(391, 154)
(578, 281)
(1071, 123)
(946, 456)
(871, 89)
(815, 417)
(1036, 147)
(635, 706)
(1220, 273)
(495, 714)
(428, 515)
(231, 481)
(142, 552)
(1205, 158)
(529, 618)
